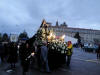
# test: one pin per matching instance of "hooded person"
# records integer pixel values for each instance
(69, 52)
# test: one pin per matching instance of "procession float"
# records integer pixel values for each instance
(56, 46)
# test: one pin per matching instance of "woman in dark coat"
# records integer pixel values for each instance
(25, 51)
(12, 59)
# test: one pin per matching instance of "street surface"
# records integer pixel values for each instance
(82, 63)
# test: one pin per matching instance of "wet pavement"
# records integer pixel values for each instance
(82, 63)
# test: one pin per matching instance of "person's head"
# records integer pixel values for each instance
(27, 45)
(69, 42)
(44, 43)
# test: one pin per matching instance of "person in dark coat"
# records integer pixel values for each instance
(38, 53)
(25, 51)
(6, 49)
(2, 52)
(98, 52)
(12, 55)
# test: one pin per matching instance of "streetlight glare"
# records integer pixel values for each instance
(63, 37)
(51, 34)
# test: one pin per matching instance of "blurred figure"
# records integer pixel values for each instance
(98, 52)
(12, 55)
(38, 56)
(6, 49)
(2, 52)
(44, 58)
(25, 52)
(69, 52)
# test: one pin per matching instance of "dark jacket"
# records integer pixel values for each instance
(24, 53)
(12, 55)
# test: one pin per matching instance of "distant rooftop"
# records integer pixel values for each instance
(64, 25)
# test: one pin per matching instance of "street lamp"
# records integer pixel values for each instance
(62, 38)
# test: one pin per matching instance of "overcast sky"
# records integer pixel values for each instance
(19, 15)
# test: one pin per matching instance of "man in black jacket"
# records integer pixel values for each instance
(25, 51)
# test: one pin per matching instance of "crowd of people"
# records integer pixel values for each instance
(46, 55)
(9, 53)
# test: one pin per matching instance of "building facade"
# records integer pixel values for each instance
(87, 35)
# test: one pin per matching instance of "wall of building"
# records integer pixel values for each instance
(87, 35)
